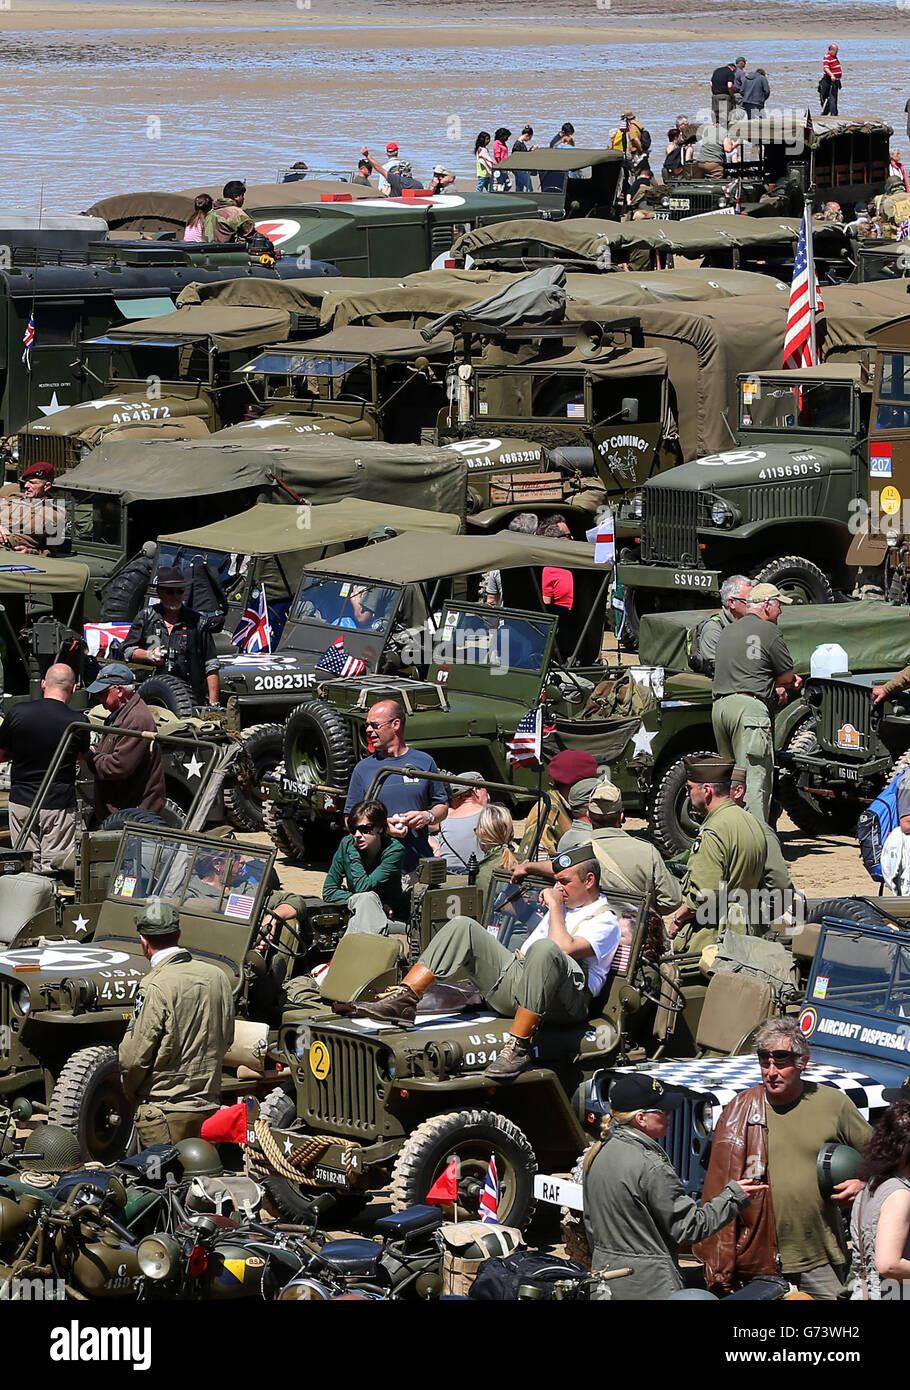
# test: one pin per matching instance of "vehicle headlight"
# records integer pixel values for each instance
(23, 999)
(665, 202)
(158, 1256)
(636, 506)
(722, 514)
(703, 1119)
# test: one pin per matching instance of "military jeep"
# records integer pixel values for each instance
(65, 1005)
(777, 505)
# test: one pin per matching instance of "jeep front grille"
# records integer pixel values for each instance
(346, 1099)
(688, 1147)
(844, 719)
(669, 526)
(57, 449)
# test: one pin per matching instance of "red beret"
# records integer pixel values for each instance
(38, 470)
(571, 765)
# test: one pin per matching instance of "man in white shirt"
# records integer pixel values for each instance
(556, 976)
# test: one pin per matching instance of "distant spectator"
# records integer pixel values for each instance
(226, 221)
(201, 208)
(501, 152)
(442, 179)
(496, 837)
(832, 212)
(296, 172)
(525, 523)
(831, 81)
(755, 90)
(673, 156)
(897, 170)
(401, 178)
(739, 77)
(524, 145)
(722, 93)
(483, 160)
(457, 840)
(557, 585)
(364, 170)
(564, 136)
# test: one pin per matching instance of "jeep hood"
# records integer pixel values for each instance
(744, 466)
(68, 960)
(92, 419)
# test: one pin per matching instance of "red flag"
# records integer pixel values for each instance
(445, 1188)
(228, 1125)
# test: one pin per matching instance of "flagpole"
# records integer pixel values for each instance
(268, 625)
(813, 288)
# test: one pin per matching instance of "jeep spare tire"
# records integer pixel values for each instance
(169, 692)
(472, 1136)
(262, 745)
(317, 745)
(89, 1099)
(125, 594)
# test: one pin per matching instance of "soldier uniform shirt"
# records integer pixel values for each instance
(730, 850)
(172, 1052)
(808, 1225)
(626, 862)
(750, 655)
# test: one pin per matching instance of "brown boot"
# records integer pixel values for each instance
(399, 1005)
(517, 1055)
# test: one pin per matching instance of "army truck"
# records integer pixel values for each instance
(571, 182)
(785, 160)
(167, 377)
(65, 1005)
(800, 451)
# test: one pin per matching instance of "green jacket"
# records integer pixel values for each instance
(184, 1022)
(638, 1214)
(627, 862)
(727, 861)
(348, 874)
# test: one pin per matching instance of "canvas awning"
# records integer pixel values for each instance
(272, 529)
(414, 557)
(229, 327)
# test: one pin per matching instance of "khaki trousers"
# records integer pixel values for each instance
(742, 731)
(157, 1125)
(52, 839)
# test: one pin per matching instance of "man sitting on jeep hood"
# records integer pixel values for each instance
(557, 975)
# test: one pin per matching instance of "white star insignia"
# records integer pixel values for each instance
(99, 405)
(80, 923)
(642, 740)
(288, 1146)
(54, 406)
(265, 423)
(193, 767)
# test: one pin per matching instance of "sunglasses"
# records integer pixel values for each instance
(371, 724)
(364, 830)
(779, 1058)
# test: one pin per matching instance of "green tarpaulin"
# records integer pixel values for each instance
(228, 326)
(414, 557)
(272, 529)
(22, 574)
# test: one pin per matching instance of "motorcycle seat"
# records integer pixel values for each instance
(353, 1255)
(415, 1221)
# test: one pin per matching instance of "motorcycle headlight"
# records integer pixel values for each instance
(158, 1256)
(722, 514)
(23, 999)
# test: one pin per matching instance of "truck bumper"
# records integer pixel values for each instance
(666, 580)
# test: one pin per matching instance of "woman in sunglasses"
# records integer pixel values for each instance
(366, 871)
(880, 1223)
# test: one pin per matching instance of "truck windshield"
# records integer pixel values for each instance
(344, 603)
(210, 881)
(473, 639)
(803, 405)
(893, 409)
(527, 395)
(864, 974)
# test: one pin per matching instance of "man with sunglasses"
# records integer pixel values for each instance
(778, 1127)
(417, 806)
(734, 595)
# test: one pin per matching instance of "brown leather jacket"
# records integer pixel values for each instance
(747, 1247)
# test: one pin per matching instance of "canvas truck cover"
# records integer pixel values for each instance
(875, 636)
(293, 296)
(852, 312)
(144, 212)
(320, 468)
(414, 298)
(25, 574)
(533, 299)
(230, 327)
(271, 195)
(272, 529)
(790, 130)
(666, 286)
(414, 557)
(402, 344)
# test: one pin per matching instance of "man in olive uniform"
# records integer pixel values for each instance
(776, 877)
(727, 861)
(752, 672)
(227, 221)
(31, 522)
(565, 769)
(170, 1058)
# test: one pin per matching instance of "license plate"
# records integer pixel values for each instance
(560, 1191)
(332, 1177)
(847, 774)
(696, 579)
(679, 204)
(661, 217)
(291, 787)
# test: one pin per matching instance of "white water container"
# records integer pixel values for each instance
(830, 659)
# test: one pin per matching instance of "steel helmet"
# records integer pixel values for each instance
(836, 1163)
(693, 1296)
(56, 1149)
(199, 1159)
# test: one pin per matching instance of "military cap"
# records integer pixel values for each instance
(635, 1091)
(762, 593)
(114, 673)
(38, 470)
(892, 1094)
(738, 774)
(710, 768)
(571, 765)
(157, 918)
(580, 795)
(580, 854)
(606, 798)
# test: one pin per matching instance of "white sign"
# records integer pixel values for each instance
(560, 1191)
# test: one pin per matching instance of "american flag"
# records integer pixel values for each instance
(489, 1199)
(799, 340)
(254, 633)
(336, 661)
(28, 339)
(524, 745)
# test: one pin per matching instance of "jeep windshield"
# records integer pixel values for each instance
(345, 604)
(528, 395)
(211, 881)
(814, 406)
(507, 643)
(863, 974)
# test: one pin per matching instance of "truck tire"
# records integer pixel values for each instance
(125, 594)
(851, 909)
(673, 822)
(170, 692)
(279, 1109)
(89, 1100)
(803, 581)
(317, 745)
(173, 816)
(472, 1135)
(263, 744)
(813, 815)
(284, 833)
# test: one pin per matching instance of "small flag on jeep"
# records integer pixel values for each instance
(445, 1189)
(524, 745)
(336, 661)
(489, 1198)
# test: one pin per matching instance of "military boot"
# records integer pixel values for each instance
(399, 1005)
(517, 1055)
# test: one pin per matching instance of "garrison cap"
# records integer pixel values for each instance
(738, 774)
(580, 854)
(892, 1094)
(606, 798)
(157, 918)
(581, 793)
(709, 769)
(635, 1091)
(571, 765)
(762, 593)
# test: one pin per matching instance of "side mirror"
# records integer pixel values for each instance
(630, 409)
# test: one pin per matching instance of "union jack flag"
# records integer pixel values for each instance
(336, 661)
(253, 632)
(28, 339)
(523, 747)
(903, 231)
(799, 339)
(489, 1199)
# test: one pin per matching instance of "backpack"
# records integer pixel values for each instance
(700, 660)
(875, 825)
(645, 140)
(500, 1279)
